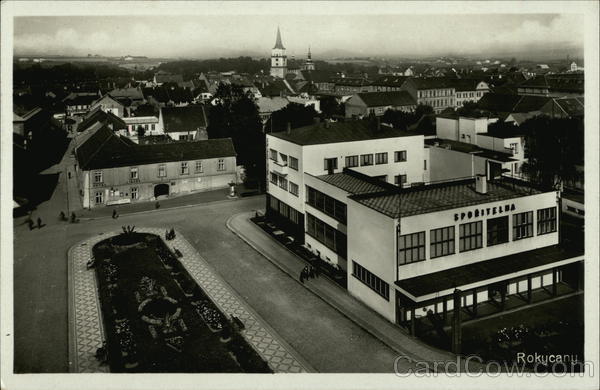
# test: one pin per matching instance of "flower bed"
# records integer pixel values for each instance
(153, 317)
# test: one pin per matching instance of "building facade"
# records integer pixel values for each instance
(436, 92)
(112, 170)
(391, 155)
(377, 103)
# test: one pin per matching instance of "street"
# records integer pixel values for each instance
(329, 341)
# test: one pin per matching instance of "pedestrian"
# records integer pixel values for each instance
(302, 276)
(30, 223)
(317, 271)
(73, 217)
(39, 223)
(114, 214)
(311, 272)
(63, 217)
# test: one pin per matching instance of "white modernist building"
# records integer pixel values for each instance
(359, 196)
(390, 155)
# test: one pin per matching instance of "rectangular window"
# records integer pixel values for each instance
(366, 159)
(162, 170)
(497, 231)
(133, 173)
(523, 225)
(274, 203)
(371, 280)
(330, 163)
(199, 167)
(328, 205)
(411, 248)
(441, 242)
(273, 154)
(326, 235)
(293, 163)
(351, 161)
(546, 220)
(274, 178)
(134, 193)
(221, 164)
(400, 156)
(381, 158)
(185, 170)
(284, 158)
(400, 180)
(98, 177)
(515, 148)
(424, 165)
(294, 188)
(471, 236)
(99, 197)
(152, 127)
(283, 183)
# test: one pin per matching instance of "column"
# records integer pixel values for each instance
(529, 295)
(456, 323)
(413, 322)
(554, 281)
(445, 308)
(475, 302)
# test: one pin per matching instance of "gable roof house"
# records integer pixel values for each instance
(112, 169)
(110, 104)
(363, 104)
(184, 123)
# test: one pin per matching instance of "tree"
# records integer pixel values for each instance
(235, 115)
(330, 107)
(423, 109)
(554, 148)
(469, 109)
(297, 115)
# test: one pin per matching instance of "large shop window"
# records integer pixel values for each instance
(441, 242)
(546, 220)
(471, 236)
(327, 235)
(351, 161)
(332, 207)
(497, 230)
(411, 248)
(523, 225)
(373, 282)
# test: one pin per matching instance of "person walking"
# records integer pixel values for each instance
(39, 223)
(115, 215)
(311, 271)
(317, 271)
(30, 223)
(302, 276)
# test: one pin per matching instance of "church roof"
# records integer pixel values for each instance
(278, 44)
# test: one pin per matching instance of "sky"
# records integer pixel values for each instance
(209, 36)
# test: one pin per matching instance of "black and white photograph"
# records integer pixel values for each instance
(310, 195)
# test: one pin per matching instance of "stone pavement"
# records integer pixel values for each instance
(396, 338)
(85, 333)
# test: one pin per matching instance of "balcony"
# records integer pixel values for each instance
(280, 168)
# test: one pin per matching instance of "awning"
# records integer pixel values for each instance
(465, 277)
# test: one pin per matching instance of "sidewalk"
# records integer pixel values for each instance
(189, 200)
(390, 334)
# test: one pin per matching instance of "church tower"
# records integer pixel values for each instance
(308, 64)
(278, 58)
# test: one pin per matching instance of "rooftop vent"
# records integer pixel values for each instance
(481, 184)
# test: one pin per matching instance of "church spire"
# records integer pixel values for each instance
(278, 44)
(309, 52)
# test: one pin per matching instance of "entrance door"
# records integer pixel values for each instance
(161, 189)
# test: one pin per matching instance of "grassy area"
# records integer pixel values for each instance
(157, 319)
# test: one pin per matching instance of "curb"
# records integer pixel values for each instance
(412, 357)
(162, 209)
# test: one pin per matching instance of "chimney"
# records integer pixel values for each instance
(289, 128)
(481, 184)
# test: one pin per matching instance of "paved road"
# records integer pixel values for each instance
(325, 338)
